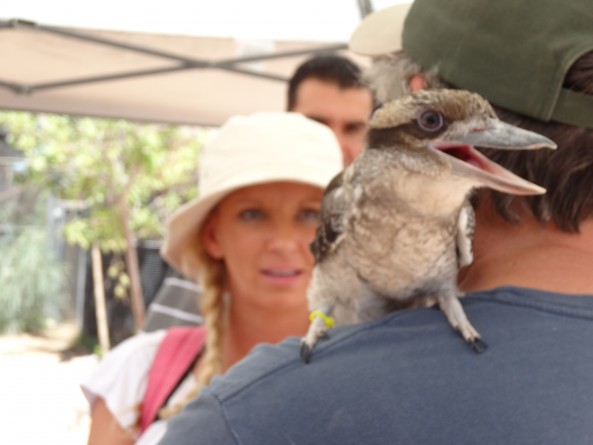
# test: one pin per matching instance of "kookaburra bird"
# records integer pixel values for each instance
(396, 224)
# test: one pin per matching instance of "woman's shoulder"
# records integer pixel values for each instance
(141, 344)
(120, 377)
(137, 351)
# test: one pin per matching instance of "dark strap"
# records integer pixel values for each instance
(176, 354)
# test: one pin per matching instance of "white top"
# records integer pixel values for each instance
(121, 378)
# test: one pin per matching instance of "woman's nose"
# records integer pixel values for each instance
(283, 238)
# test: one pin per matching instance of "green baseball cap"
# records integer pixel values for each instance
(515, 53)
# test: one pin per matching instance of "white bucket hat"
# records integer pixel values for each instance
(380, 32)
(250, 150)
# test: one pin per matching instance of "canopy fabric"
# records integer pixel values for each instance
(155, 77)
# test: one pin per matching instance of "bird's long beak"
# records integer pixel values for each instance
(499, 134)
(467, 161)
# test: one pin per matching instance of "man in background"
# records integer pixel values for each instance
(330, 90)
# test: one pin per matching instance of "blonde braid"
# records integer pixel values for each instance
(214, 313)
(212, 304)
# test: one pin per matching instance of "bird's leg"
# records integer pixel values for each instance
(321, 322)
(451, 307)
(466, 222)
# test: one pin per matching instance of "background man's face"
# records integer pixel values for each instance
(345, 111)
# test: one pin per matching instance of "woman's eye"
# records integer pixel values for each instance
(309, 215)
(431, 121)
(251, 215)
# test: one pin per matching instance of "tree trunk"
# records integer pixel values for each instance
(136, 296)
(99, 293)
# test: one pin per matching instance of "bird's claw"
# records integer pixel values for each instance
(307, 349)
(320, 323)
(477, 345)
(306, 352)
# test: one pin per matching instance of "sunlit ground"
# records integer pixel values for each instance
(40, 398)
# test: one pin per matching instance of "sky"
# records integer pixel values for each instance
(316, 20)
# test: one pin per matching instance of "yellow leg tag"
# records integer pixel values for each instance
(329, 321)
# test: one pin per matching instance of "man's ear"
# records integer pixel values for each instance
(210, 239)
(417, 82)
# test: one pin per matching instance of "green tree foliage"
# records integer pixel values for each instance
(32, 278)
(148, 169)
(31, 283)
(128, 176)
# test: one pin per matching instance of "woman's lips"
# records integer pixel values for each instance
(285, 276)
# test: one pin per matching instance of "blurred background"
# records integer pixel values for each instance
(103, 109)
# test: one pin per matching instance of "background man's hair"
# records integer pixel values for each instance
(329, 68)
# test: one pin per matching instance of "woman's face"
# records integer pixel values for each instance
(262, 233)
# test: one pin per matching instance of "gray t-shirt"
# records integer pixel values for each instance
(410, 379)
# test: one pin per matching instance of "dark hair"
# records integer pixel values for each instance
(330, 68)
(566, 173)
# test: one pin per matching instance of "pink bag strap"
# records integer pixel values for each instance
(175, 355)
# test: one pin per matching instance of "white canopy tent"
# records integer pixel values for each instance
(174, 61)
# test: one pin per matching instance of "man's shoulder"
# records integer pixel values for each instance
(402, 334)
(264, 361)
(411, 366)
(283, 361)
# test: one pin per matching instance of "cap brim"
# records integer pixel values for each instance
(380, 32)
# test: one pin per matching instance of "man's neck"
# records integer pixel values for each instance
(529, 254)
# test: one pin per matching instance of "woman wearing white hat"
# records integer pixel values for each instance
(246, 236)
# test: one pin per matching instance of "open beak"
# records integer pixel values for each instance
(465, 160)
(499, 134)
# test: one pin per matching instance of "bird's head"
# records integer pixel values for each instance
(446, 125)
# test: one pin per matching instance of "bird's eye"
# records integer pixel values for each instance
(431, 121)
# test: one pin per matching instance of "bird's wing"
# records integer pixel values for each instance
(334, 212)
(466, 223)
